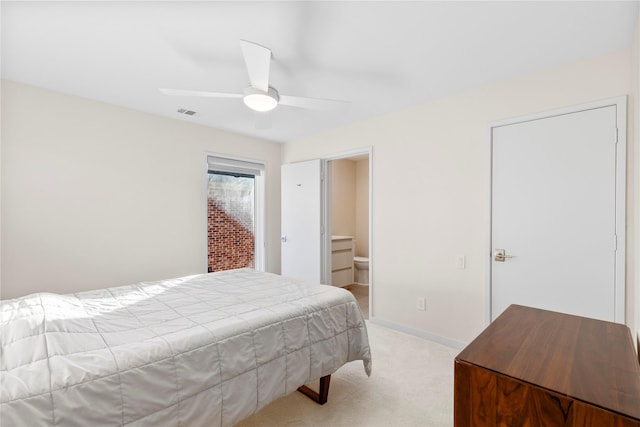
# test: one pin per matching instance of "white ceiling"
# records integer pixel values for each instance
(382, 56)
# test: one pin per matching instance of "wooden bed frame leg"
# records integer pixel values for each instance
(322, 395)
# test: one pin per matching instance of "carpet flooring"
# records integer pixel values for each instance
(411, 385)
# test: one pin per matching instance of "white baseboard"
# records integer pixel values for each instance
(418, 333)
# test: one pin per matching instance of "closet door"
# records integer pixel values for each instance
(556, 213)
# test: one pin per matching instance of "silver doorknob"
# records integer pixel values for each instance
(283, 239)
(500, 255)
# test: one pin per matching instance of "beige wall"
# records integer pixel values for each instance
(350, 201)
(343, 198)
(95, 195)
(441, 150)
(362, 207)
(633, 162)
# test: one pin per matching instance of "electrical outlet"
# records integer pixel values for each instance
(421, 304)
(460, 262)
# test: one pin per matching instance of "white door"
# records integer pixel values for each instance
(301, 226)
(555, 213)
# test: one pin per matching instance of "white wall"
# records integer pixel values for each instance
(430, 172)
(95, 195)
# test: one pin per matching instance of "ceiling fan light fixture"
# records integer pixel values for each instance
(259, 100)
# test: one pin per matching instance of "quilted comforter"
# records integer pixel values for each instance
(205, 350)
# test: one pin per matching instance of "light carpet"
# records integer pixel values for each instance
(411, 385)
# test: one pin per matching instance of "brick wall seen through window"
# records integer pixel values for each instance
(230, 221)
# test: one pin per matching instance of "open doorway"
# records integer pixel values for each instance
(348, 212)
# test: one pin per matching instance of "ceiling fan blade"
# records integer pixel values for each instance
(258, 60)
(314, 103)
(181, 92)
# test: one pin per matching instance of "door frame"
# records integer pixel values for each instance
(620, 215)
(326, 213)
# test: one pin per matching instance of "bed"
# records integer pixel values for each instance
(204, 350)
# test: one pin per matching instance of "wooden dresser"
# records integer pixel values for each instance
(534, 367)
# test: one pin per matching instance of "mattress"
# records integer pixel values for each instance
(204, 350)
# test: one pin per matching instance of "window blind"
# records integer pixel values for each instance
(232, 166)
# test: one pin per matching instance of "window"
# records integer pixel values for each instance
(234, 214)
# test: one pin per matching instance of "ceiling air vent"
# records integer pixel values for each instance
(187, 112)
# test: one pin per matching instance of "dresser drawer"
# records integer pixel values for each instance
(342, 259)
(342, 244)
(342, 277)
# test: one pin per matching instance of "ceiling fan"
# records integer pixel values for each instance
(259, 96)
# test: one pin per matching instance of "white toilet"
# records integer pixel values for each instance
(361, 272)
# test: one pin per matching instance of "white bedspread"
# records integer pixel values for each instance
(203, 350)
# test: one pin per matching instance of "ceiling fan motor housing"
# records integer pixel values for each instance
(260, 100)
